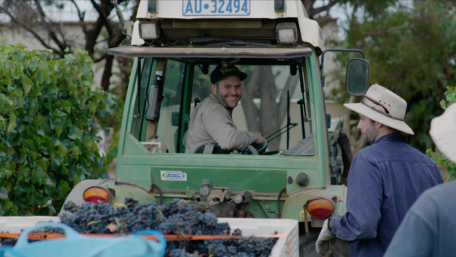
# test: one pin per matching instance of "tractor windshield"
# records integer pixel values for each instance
(272, 102)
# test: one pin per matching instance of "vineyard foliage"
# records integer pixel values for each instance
(49, 118)
(437, 156)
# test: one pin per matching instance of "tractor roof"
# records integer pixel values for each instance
(228, 18)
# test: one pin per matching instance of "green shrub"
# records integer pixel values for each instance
(49, 117)
(437, 156)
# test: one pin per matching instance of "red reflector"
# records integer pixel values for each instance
(95, 199)
(96, 195)
(320, 208)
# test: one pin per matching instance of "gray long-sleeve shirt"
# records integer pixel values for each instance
(212, 121)
(428, 229)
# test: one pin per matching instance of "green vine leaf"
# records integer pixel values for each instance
(26, 83)
(48, 139)
(12, 122)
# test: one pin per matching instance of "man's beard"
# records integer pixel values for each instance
(222, 101)
(370, 135)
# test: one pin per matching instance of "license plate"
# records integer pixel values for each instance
(216, 7)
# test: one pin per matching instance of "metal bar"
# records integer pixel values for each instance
(301, 103)
(181, 111)
(121, 18)
(301, 80)
(292, 125)
(138, 97)
(288, 119)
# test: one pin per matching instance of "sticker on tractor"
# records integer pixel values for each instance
(302, 214)
(173, 175)
(117, 205)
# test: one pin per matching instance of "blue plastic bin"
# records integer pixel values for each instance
(77, 245)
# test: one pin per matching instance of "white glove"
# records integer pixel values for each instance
(323, 239)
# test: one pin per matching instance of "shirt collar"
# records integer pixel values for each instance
(392, 137)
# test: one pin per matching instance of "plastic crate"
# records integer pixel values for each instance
(259, 227)
(248, 226)
(15, 224)
(75, 245)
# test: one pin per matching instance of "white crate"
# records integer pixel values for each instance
(15, 224)
(249, 227)
(259, 227)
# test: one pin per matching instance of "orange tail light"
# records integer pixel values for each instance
(320, 208)
(96, 195)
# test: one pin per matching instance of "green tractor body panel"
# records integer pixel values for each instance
(138, 169)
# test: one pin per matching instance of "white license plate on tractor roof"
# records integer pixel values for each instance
(216, 7)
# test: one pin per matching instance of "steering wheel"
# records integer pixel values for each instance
(208, 147)
(261, 148)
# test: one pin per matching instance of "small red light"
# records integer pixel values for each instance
(96, 195)
(320, 208)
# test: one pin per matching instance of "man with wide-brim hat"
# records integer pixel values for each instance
(385, 178)
(211, 120)
(429, 227)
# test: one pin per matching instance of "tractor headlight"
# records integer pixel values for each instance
(287, 32)
(149, 30)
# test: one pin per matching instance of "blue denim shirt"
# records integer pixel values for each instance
(384, 181)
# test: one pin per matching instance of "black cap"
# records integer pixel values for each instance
(221, 72)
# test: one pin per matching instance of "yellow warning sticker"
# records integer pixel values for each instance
(117, 205)
(302, 214)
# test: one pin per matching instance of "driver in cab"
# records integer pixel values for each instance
(211, 120)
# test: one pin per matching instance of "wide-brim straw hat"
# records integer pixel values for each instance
(383, 106)
(443, 132)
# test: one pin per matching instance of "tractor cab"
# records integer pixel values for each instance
(176, 45)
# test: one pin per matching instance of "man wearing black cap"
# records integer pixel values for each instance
(211, 120)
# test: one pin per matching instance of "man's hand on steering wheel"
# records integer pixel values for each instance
(260, 143)
(259, 139)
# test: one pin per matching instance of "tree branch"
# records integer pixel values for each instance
(92, 36)
(308, 4)
(323, 19)
(99, 59)
(116, 40)
(324, 8)
(36, 35)
(45, 25)
(81, 18)
(104, 16)
(252, 113)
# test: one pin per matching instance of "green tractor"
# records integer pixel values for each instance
(175, 49)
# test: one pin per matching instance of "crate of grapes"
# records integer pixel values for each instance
(286, 229)
(188, 232)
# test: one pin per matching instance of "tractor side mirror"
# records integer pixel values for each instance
(357, 77)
